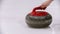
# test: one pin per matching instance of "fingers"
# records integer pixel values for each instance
(45, 4)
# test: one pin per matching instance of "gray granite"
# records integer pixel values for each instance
(39, 21)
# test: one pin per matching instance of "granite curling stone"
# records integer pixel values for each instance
(43, 20)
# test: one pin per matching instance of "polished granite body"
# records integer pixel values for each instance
(39, 21)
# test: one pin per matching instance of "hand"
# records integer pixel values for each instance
(45, 4)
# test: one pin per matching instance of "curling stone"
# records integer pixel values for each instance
(38, 19)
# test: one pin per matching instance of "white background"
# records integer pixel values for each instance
(13, 12)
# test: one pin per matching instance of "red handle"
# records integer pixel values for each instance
(34, 13)
(38, 8)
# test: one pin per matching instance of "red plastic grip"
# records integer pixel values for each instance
(35, 13)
